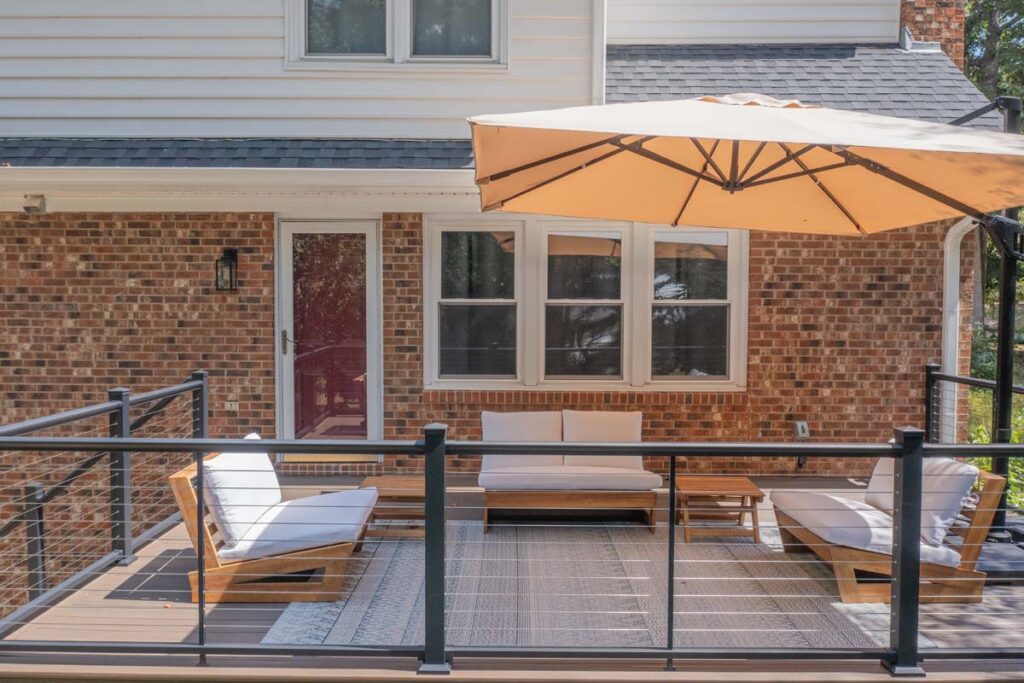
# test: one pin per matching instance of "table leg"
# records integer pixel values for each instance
(686, 520)
(754, 522)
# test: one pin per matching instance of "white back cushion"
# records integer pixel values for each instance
(945, 483)
(524, 426)
(603, 426)
(238, 488)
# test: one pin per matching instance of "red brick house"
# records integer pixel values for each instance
(373, 297)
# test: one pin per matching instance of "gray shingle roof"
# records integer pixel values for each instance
(236, 153)
(874, 78)
(878, 79)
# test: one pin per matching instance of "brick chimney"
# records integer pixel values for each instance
(938, 21)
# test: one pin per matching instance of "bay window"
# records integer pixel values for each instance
(550, 303)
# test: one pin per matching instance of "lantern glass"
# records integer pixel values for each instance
(226, 279)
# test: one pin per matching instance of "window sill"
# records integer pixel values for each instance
(378, 67)
(695, 386)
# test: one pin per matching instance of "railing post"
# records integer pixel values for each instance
(931, 385)
(670, 617)
(35, 547)
(121, 478)
(200, 404)
(435, 656)
(200, 412)
(906, 555)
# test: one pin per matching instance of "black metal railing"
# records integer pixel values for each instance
(901, 653)
(36, 496)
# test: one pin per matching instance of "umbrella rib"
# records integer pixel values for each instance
(910, 183)
(799, 174)
(693, 189)
(546, 160)
(560, 176)
(635, 148)
(752, 159)
(790, 156)
(708, 159)
(821, 186)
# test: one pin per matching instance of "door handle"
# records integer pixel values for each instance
(285, 341)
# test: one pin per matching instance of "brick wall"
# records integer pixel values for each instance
(940, 21)
(89, 302)
(839, 332)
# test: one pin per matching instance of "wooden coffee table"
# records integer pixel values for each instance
(715, 497)
(399, 498)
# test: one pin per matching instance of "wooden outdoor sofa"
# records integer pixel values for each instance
(260, 548)
(856, 538)
(572, 482)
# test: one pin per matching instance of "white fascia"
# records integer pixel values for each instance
(286, 190)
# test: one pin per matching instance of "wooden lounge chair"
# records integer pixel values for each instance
(258, 548)
(856, 538)
(577, 482)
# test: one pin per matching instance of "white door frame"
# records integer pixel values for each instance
(285, 411)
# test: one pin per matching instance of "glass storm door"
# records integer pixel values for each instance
(330, 330)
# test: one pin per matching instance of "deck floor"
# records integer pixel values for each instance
(147, 601)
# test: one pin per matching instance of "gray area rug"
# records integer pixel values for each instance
(596, 586)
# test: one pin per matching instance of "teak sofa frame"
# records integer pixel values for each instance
(939, 583)
(645, 501)
(264, 579)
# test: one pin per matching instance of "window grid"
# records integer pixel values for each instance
(636, 300)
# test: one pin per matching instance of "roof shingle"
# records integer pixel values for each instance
(877, 79)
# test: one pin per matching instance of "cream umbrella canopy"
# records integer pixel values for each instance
(743, 161)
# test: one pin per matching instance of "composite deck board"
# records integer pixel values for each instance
(147, 601)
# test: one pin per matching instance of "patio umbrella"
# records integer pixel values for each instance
(754, 162)
(743, 161)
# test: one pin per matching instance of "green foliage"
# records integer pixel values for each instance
(979, 430)
(995, 46)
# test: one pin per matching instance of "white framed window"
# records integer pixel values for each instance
(417, 34)
(545, 303)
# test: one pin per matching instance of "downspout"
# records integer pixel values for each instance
(951, 321)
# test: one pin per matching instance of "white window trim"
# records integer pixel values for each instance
(398, 57)
(530, 288)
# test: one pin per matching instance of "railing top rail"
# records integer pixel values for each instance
(973, 381)
(95, 410)
(165, 392)
(331, 447)
(58, 419)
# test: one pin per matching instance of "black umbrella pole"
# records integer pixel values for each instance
(1002, 408)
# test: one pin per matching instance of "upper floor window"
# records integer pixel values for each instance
(560, 304)
(396, 31)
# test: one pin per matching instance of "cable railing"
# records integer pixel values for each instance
(424, 566)
(66, 503)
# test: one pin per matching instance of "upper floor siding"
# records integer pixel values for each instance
(225, 68)
(753, 21)
(228, 68)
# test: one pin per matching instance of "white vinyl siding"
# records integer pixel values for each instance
(752, 21)
(153, 68)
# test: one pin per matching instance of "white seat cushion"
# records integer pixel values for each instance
(568, 478)
(304, 523)
(852, 524)
(945, 485)
(238, 488)
(523, 426)
(598, 426)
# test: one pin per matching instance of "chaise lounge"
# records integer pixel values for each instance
(572, 482)
(259, 547)
(857, 537)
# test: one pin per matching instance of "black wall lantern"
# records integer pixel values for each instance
(226, 279)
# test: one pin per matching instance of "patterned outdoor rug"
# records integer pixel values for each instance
(601, 586)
